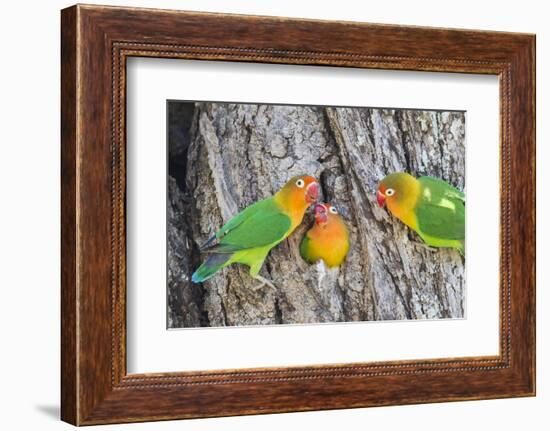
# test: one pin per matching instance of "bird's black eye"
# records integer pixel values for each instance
(300, 183)
(390, 192)
(333, 210)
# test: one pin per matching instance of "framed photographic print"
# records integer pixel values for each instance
(265, 215)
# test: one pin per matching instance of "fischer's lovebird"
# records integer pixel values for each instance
(431, 207)
(249, 236)
(328, 239)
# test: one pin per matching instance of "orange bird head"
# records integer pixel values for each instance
(395, 189)
(324, 213)
(299, 193)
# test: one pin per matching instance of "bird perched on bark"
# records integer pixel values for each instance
(249, 236)
(328, 239)
(431, 207)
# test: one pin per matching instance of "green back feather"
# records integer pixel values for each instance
(261, 224)
(440, 209)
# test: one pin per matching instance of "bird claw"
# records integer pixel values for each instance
(263, 282)
(427, 247)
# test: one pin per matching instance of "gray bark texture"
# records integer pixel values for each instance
(224, 157)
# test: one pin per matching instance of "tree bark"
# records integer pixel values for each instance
(235, 154)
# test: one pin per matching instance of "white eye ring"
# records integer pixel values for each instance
(300, 183)
(333, 210)
(390, 192)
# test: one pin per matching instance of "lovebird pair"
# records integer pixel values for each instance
(434, 209)
(249, 236)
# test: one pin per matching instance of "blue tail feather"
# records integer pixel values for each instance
(213, 263)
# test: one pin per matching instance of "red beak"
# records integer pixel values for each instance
(381, 198)
(312, 192)
(320, 213)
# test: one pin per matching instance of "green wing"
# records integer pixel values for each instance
(304, 249)
(260, 224)
(443, 187)
(441, 211)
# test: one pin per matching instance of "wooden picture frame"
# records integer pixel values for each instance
(96, 41)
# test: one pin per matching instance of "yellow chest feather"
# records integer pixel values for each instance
(329, 243)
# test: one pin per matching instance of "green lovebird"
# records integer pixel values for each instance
(431, 207)
(249, 236)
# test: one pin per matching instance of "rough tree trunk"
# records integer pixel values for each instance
(235, 154)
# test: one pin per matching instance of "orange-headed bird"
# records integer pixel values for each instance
(430, 206)
(249, 236)
(328, 239)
